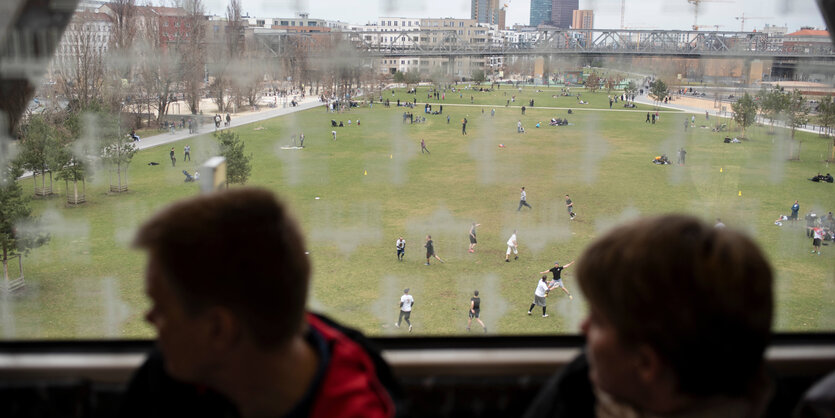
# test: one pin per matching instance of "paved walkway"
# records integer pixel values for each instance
(701, 111)
(243, 119)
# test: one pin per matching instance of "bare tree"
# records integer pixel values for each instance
(157, 69)
(236, 49)
(80, 73)
(122, 35)
(234, 29)
(192, 51)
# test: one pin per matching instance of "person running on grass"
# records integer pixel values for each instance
(423, 147)
(400, 245)
(430, 250)
(557, 282)
(406, 304)
(523, 200)
(475, 310)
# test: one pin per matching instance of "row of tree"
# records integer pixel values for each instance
(774, 104)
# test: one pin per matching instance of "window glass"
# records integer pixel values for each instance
(596, 125)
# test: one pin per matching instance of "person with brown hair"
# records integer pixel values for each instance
(228, 277)
(679, 317)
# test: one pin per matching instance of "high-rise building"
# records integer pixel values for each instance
(540, 12)
(583, 19)
(488, 11)
(562, 11)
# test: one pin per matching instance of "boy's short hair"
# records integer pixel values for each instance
(701, 297)
(240, 249)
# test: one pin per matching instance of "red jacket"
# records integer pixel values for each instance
(352, 381)
(350, 387)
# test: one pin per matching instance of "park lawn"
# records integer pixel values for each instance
(374, 185)
(542, 96)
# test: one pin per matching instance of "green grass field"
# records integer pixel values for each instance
(374, 185)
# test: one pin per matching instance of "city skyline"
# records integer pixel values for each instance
(562, 12)
(646, 14)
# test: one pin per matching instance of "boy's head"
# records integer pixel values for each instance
(671, 296)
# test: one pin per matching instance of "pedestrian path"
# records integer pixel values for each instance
(577, 108)
(167, 138)
(701, 111)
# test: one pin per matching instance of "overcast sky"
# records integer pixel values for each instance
(650, 14)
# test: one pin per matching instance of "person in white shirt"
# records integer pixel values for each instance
(406, 303)
(523, 200)
(817, 237)
(539, 296)
(401, 248)
(512, 246)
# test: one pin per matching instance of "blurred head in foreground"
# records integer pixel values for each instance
(679, 310)
(223, 268)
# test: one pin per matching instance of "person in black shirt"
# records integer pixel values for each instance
(430, 250)
(557, 282)
(475, 310)
(569, 206)
(473, 240)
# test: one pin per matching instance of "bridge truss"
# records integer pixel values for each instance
(624, 42)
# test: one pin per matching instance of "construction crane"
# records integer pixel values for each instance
(743, 18)
(696, 4)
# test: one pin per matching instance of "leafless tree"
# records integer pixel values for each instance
(192, 52)
(122, 36)
(156, 68)
(244, 69)
(80, 71)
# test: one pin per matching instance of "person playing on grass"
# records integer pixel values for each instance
(430, 250)
(423, 147)
(523, 200)
(557, 282)
(512, 245)
(539, 296)
(406, 304)
(569, 206)
(473, 240)
(400, 245)
(475, 311)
